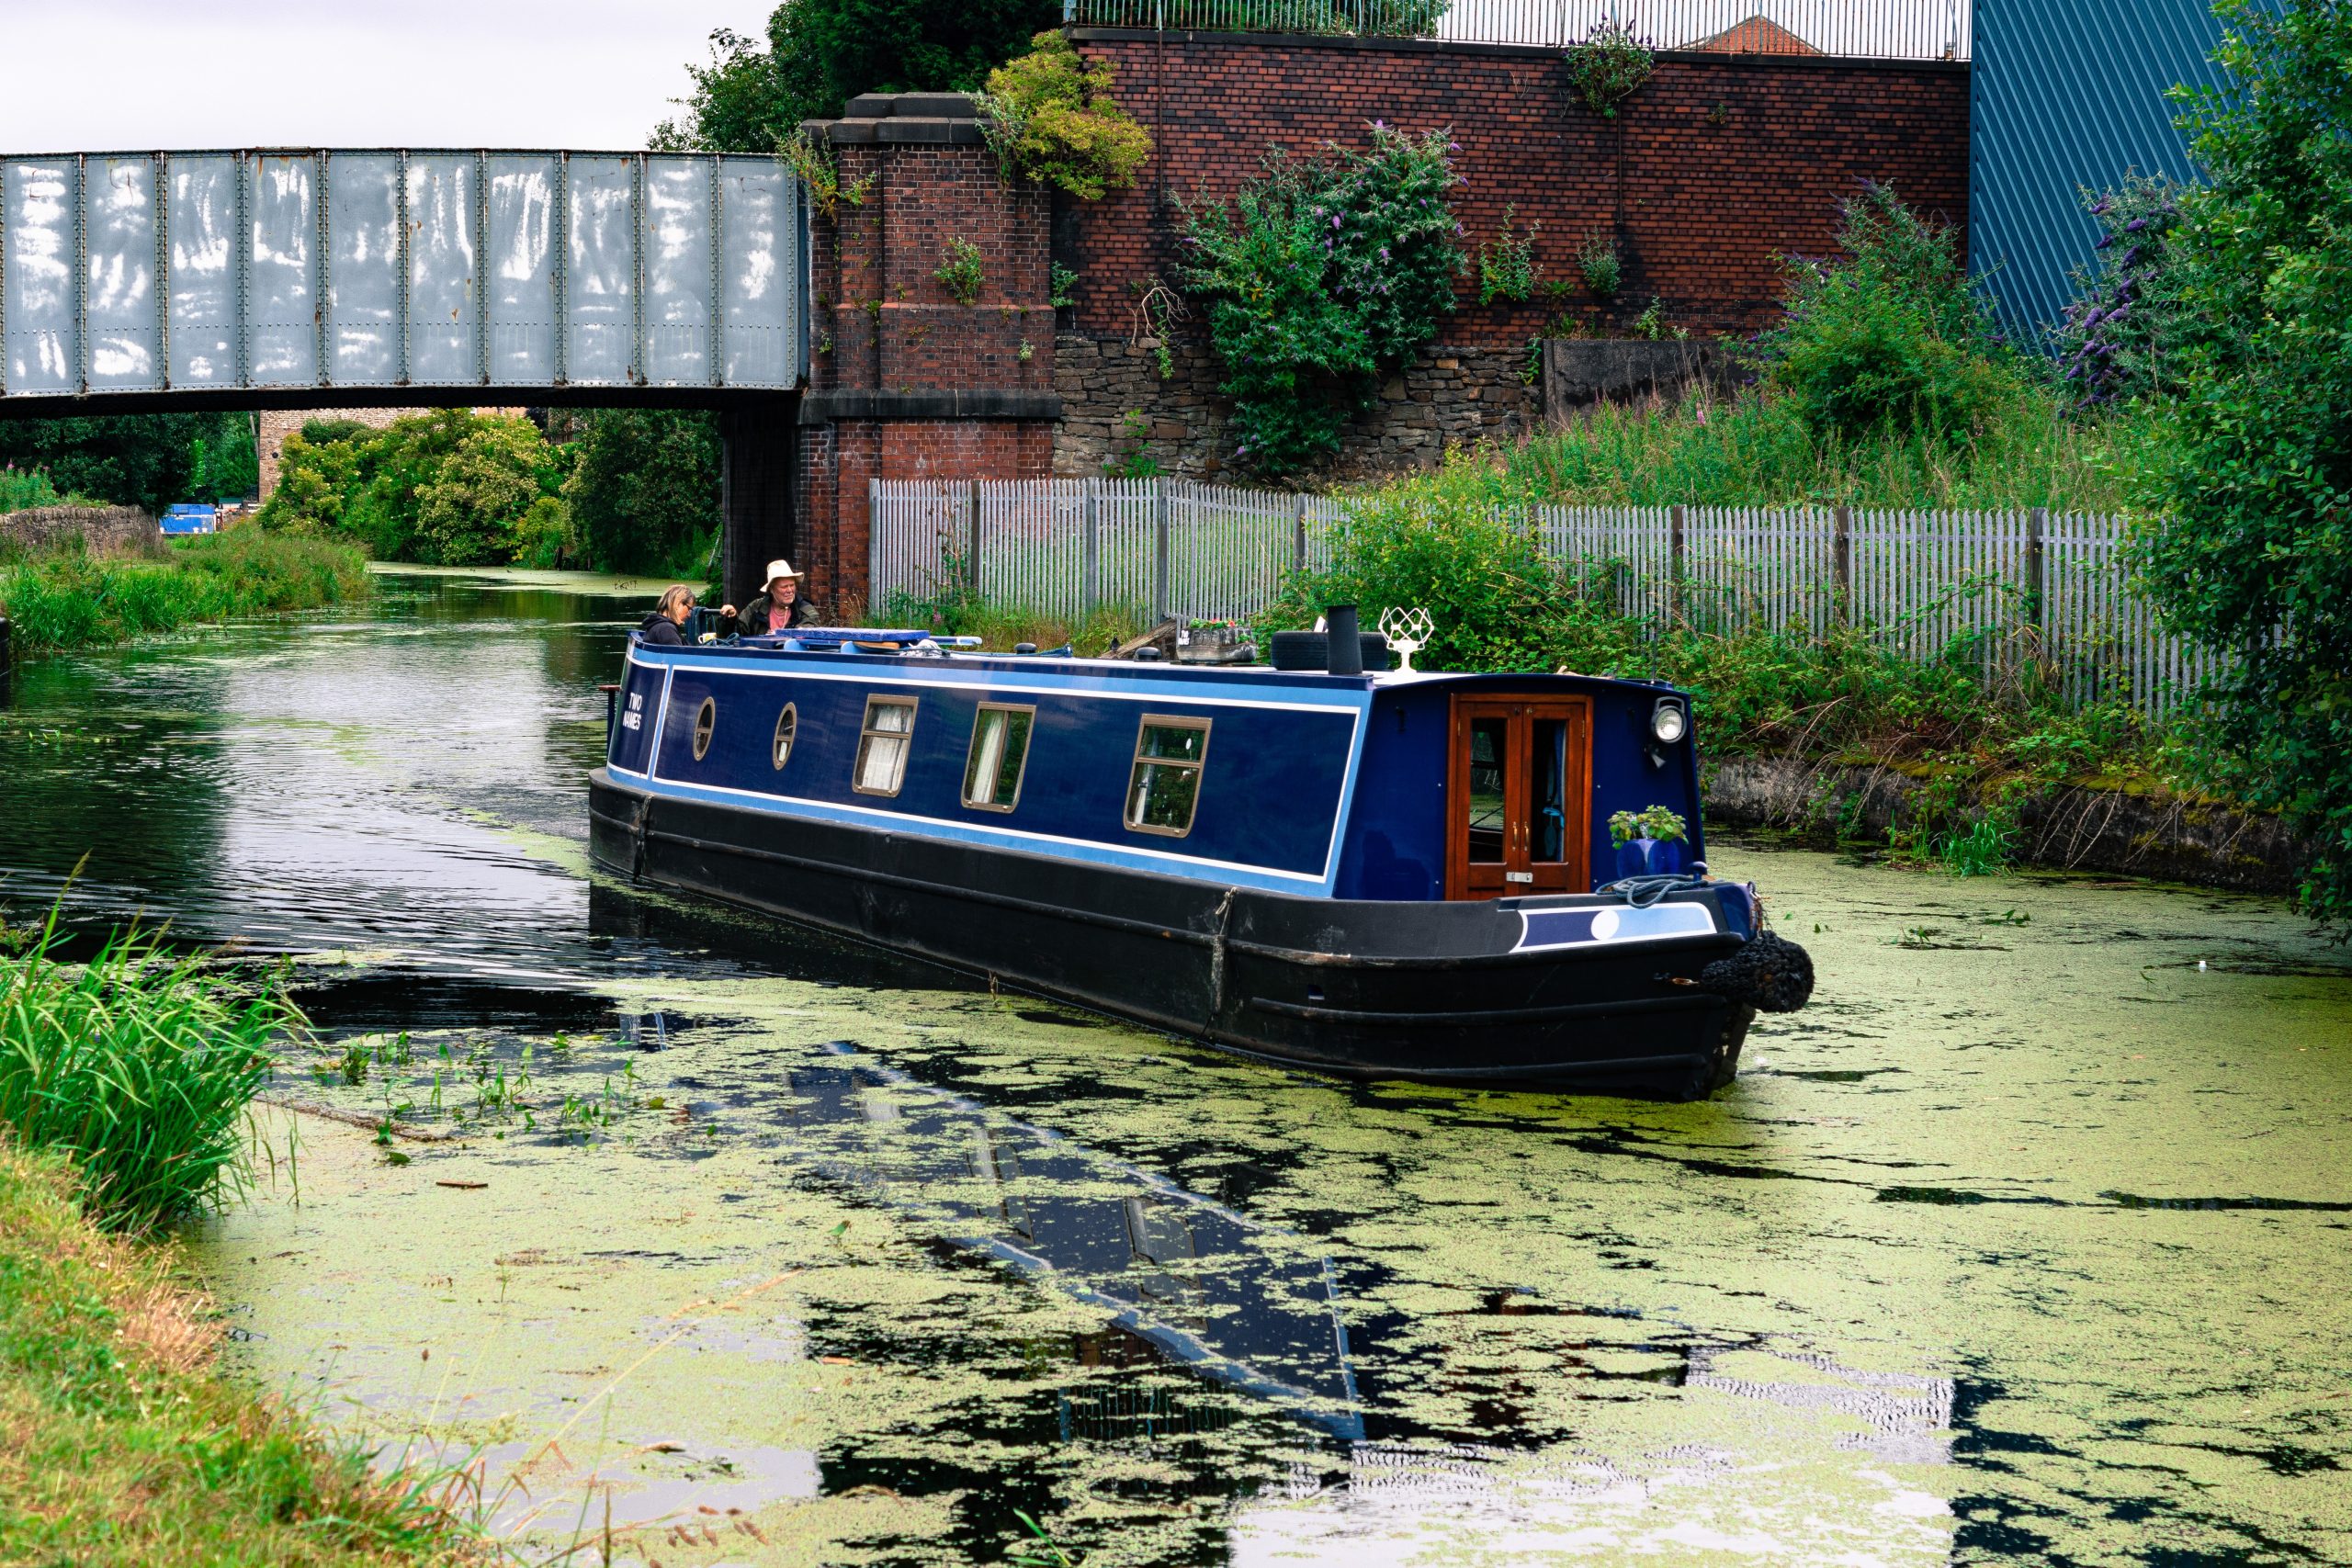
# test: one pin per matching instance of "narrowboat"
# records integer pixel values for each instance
(1372, 873)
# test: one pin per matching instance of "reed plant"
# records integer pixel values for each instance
(71, 598)
(138, 1066)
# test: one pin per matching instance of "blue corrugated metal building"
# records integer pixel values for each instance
(2066, 95)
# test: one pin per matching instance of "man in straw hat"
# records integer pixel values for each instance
(779, 606)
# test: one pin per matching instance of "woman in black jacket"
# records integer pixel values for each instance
(661, 627)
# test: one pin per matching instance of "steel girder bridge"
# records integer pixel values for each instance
(136, 282)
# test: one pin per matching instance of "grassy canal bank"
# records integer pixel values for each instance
(124, 1087)
(70, 598)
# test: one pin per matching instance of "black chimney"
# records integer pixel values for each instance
(1347, 643)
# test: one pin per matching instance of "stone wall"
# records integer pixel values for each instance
(106, 530)
(1448, 398)
(277, 424)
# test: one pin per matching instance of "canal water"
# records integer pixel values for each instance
(719, 1243)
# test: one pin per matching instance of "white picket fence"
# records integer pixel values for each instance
(2017, 586)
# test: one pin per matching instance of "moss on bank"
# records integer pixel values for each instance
(117, 1444)
(69, 598)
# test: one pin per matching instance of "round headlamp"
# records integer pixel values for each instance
(1669, 721)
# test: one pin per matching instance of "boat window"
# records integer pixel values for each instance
(1166, 786)
(1549, 791)
(1490, 743)
(787, 725)
(882, 745)
(705, 719)
(999, 753)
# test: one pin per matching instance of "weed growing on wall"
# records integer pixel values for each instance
(1603, 269)
(1321, 276)
(1507, 266)
(1607, 67)
(814, 162)
(1062, 285)
(962, 272)
(1049, 117)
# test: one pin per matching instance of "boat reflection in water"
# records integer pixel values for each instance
(1197, 1282)
(1734, 1441)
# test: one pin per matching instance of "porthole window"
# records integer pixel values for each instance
(1165, 789)
(705, 718)
(999, 753)
(882, 743)
(787, 725)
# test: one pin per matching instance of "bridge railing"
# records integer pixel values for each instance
(1870, 30)
(227, 271)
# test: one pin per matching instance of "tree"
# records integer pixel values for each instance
(2248, 543)
(820, 53)
(472, 512)
(145, 461)
(644, 492)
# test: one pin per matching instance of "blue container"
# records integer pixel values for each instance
(1650, 857)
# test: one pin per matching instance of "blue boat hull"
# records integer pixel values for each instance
(1518, 993)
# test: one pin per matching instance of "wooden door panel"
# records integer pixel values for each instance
(1517, 796)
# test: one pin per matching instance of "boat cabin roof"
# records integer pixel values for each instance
(902, 648)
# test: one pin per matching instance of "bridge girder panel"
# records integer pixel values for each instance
(244, 278)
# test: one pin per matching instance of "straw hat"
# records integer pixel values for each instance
(779, 569)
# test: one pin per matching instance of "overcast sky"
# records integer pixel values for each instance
(88, 76)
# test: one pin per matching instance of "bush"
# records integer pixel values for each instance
(1610, 66)
(2127, 323)
(2249, 541)
(1892, 335)
(1050, 116)
(23, 488)
(1322, 276)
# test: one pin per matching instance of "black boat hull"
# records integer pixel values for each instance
(1364, 989)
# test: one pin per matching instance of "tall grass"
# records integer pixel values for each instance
(70, 598)
(138, 1066)
(1758, 449)
(21, 489)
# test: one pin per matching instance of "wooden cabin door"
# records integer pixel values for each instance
(1518, 795)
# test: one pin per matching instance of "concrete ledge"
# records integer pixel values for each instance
(2070, 829)
(1524, 51)
(963, 403)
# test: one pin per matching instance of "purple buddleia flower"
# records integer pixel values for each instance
(2135, 225)
(1384, 253)
(2104, 241)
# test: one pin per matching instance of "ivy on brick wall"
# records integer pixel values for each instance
(1322, 276)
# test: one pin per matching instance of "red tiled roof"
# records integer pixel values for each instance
(1758, 35)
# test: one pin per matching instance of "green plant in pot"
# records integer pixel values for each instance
(1651, 841)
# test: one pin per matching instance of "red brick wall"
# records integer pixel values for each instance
(887, 326)
(1726, 163)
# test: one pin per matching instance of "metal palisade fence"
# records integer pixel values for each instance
(1994, 586)
(1864, 29)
